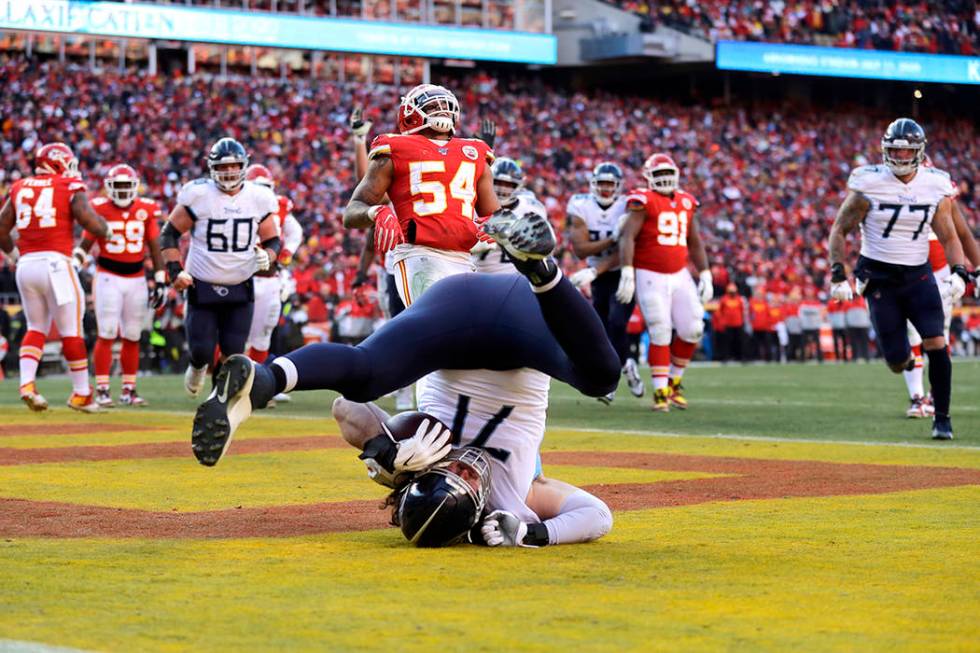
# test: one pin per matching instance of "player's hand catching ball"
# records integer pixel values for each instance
(627, 284)
(430, 444)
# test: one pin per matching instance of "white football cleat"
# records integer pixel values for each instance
(103, 398)
(917, 408)
(633, 379)
(194, 379)
(282, 397)
(34, 400)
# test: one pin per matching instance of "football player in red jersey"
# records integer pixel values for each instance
(439, 185)
(119, 286)
(920, 403)
(269, 283)
(44, 208)
(659, 239)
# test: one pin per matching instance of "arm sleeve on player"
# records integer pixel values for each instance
(292, 234)
(169, 237)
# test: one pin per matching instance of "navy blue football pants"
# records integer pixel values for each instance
(896, 294)
(224, 325)
(470, 321)
(613, 314)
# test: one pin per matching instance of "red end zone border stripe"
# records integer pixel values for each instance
(143, 450)
(749, 478)
(71, 428)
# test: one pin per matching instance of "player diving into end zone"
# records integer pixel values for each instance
(464, 322)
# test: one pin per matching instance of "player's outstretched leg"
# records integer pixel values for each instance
(529, 241)
(940, 382)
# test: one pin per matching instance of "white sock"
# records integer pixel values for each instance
(28, 370)
(913, 381)
(583, 518)
(289, 369)
(79, 377)
(676, 372)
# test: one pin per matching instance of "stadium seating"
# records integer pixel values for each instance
(768, 178)
(946, 27)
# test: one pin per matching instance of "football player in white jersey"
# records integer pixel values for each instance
(595, 220)
(509, 185)
(895, 204)
(234, 234)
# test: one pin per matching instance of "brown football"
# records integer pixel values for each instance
(404, 425)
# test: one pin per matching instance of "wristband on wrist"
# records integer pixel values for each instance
(837, 274)
(961, 270)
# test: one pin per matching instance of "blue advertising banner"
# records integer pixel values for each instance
(847, 62)
(225, 26)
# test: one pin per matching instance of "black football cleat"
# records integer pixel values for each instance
(225, 409)
(942, 428)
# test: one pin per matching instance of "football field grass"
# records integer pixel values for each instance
(790, 508)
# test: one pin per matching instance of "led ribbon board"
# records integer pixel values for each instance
(847, 62)
(225, 26)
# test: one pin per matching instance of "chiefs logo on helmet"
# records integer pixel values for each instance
(55, 159)
(260, 175)
(428, 106)
(661, 173)
(121, 184)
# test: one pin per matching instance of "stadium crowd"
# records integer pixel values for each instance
(768, 177)
(945, 27)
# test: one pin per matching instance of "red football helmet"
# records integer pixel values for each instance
(428, 106)
(261, 175)
(55, 159)
(661, 173)
(121, 184)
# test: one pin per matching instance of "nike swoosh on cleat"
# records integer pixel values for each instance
(223, 395)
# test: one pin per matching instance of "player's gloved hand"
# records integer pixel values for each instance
(430, 444)
(183, 281)
(13, 255)
(583, 277)
(956, 284)
(285, 257)
(78, 258)
(387, 232)
(502, 528)
(159, 293)
(481, 235)
(627, 284)
(488, 131)
(358, 126)
(840, 287)
(262, 259)
(706, 286)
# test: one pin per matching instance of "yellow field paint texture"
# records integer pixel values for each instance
(859, 572)
(892, 572)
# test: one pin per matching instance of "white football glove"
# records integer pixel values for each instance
(954, 288)
(78, 258)
(429, 445)
(841, 291)
(583, 277)
(358, 126)
(706, 286)
(502, 528)
(627, 284)
(262, 259)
